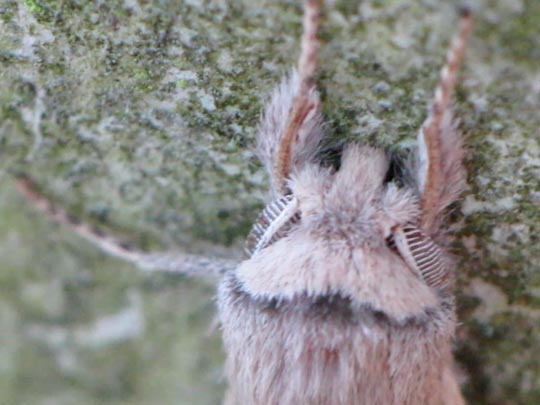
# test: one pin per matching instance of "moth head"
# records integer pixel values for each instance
(354, 207)
(355, 202)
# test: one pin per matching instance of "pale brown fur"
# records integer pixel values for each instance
(331, 313)
(333, 351)
(388, 340)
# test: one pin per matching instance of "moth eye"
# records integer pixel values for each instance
(396, 169)
(421, 254)
(272, 224)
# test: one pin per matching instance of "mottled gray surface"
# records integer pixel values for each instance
(141, 116)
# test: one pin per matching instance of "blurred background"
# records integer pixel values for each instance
(140, 117)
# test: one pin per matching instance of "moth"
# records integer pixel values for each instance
(345, 295)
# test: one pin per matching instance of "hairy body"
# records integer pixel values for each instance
(330, 349)
(345, 296)
(329, 313)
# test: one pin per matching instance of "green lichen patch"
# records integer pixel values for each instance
(140, 117)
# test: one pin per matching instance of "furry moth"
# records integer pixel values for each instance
(345, 296)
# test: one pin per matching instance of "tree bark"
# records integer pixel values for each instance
(140, 117)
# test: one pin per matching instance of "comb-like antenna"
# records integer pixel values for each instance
(433, 177)
(272, 224)
(307, 65)
(422, 255)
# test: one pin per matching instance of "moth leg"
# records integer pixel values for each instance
(164, 262)
(440, 173)
(291, 126)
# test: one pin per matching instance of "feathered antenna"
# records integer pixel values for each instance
(302, 102)
(440, 178)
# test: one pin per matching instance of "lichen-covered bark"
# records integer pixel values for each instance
(141, 116)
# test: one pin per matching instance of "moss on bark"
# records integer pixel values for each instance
(141, 116)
